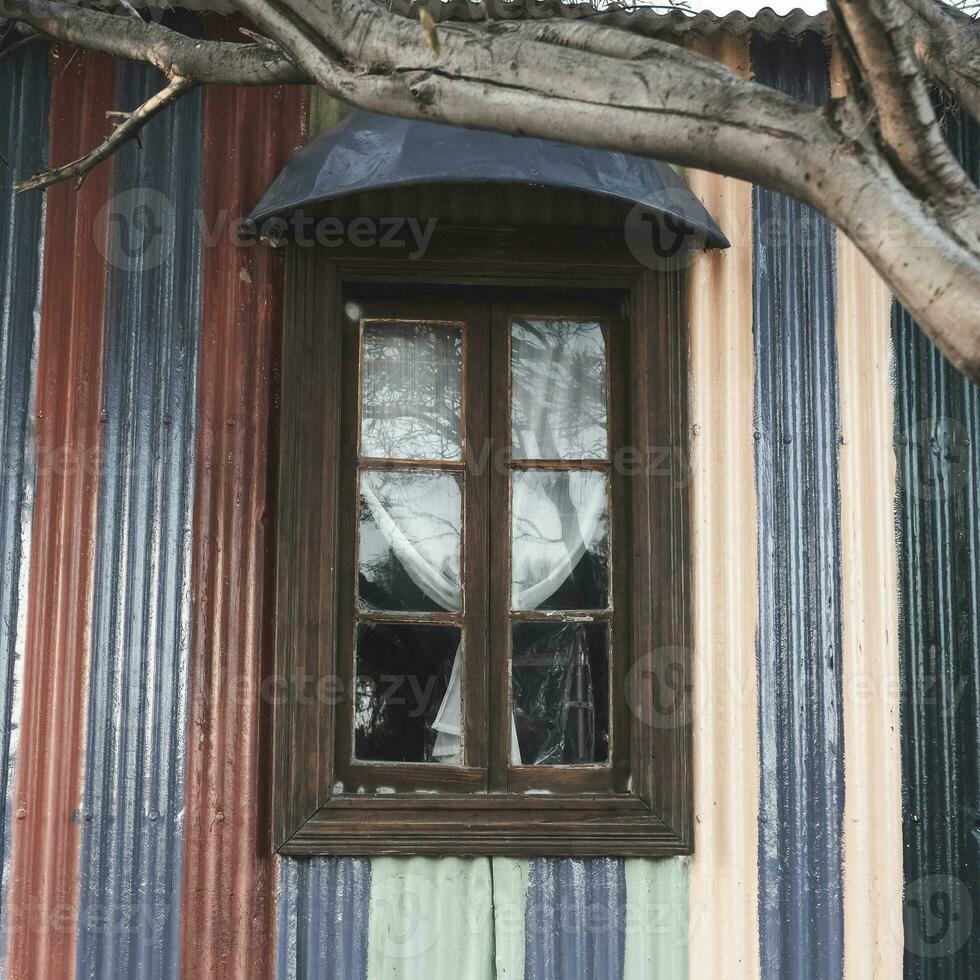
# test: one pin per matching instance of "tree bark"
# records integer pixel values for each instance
(875, 162)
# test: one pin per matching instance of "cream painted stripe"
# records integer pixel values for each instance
(873, 874)
(723, 888)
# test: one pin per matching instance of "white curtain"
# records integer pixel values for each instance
(559, 412)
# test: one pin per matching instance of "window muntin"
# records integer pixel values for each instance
(549, 649)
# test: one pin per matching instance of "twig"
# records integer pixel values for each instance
(22, 43)
(125, 130)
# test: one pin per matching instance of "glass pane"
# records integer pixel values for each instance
(558, 389)
(560, 553)
(560, 693)
(408, 694)
(409, 547)
(411, 391)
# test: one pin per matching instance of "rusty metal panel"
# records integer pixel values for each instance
(799, 552)
(44, 878)
(227, 906)
(322, 927)
(132, 809)
(24, 90)
(937, 441)
(575, 919)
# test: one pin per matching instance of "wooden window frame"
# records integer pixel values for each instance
(653, 815)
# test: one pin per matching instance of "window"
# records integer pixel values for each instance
(480, 570)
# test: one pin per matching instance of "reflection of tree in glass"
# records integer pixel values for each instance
(411, 391)
(409, 553)
(560, 557)
(558, 378)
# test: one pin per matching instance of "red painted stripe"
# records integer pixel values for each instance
(44, 880)
(228, 903)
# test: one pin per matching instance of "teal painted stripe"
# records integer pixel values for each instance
(937, 438)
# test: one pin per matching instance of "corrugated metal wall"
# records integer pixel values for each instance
(24, 92)
(156, 685)
(43, 895)
(937, 437)
(575, 919)
(132, 806)
(799, 638)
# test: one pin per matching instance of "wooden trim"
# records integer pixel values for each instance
(638, 804)
(306, 530)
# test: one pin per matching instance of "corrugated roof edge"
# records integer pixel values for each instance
(651, 21)
(676, 23)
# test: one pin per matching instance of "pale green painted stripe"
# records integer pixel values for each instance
(656, 919)
(510, 877)
(433, 918)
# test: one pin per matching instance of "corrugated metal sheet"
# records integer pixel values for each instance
(227, 911)
(43, 893)
(937, 436)
(431, 919)
(322, 928)
(869, 572)
(576, 919)
(653, 20)
(799, 644)
(659, 933)
(725, 865)
(132, 840)
(23, 143)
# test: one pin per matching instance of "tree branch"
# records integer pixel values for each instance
(175, 54)
(131, 123)
(947, 42)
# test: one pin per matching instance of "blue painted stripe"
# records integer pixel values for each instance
(322, 927)
(575, 919)
(25, 95)
(132, 811)
(799, 640)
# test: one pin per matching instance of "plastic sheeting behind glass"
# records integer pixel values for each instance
(403, 674)
(560, 692)
(411, 391)
(558, 389)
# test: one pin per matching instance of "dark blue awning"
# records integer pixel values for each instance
(368, 151)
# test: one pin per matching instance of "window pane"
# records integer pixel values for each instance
(560, 553)
(408, 694)
(558, 389)
(560, 693)
(411, 391)
(409, 548)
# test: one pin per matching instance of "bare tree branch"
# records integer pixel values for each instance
(872, 35)
(131, 123)
(947, 42)
(175, 54)
(874, 162)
